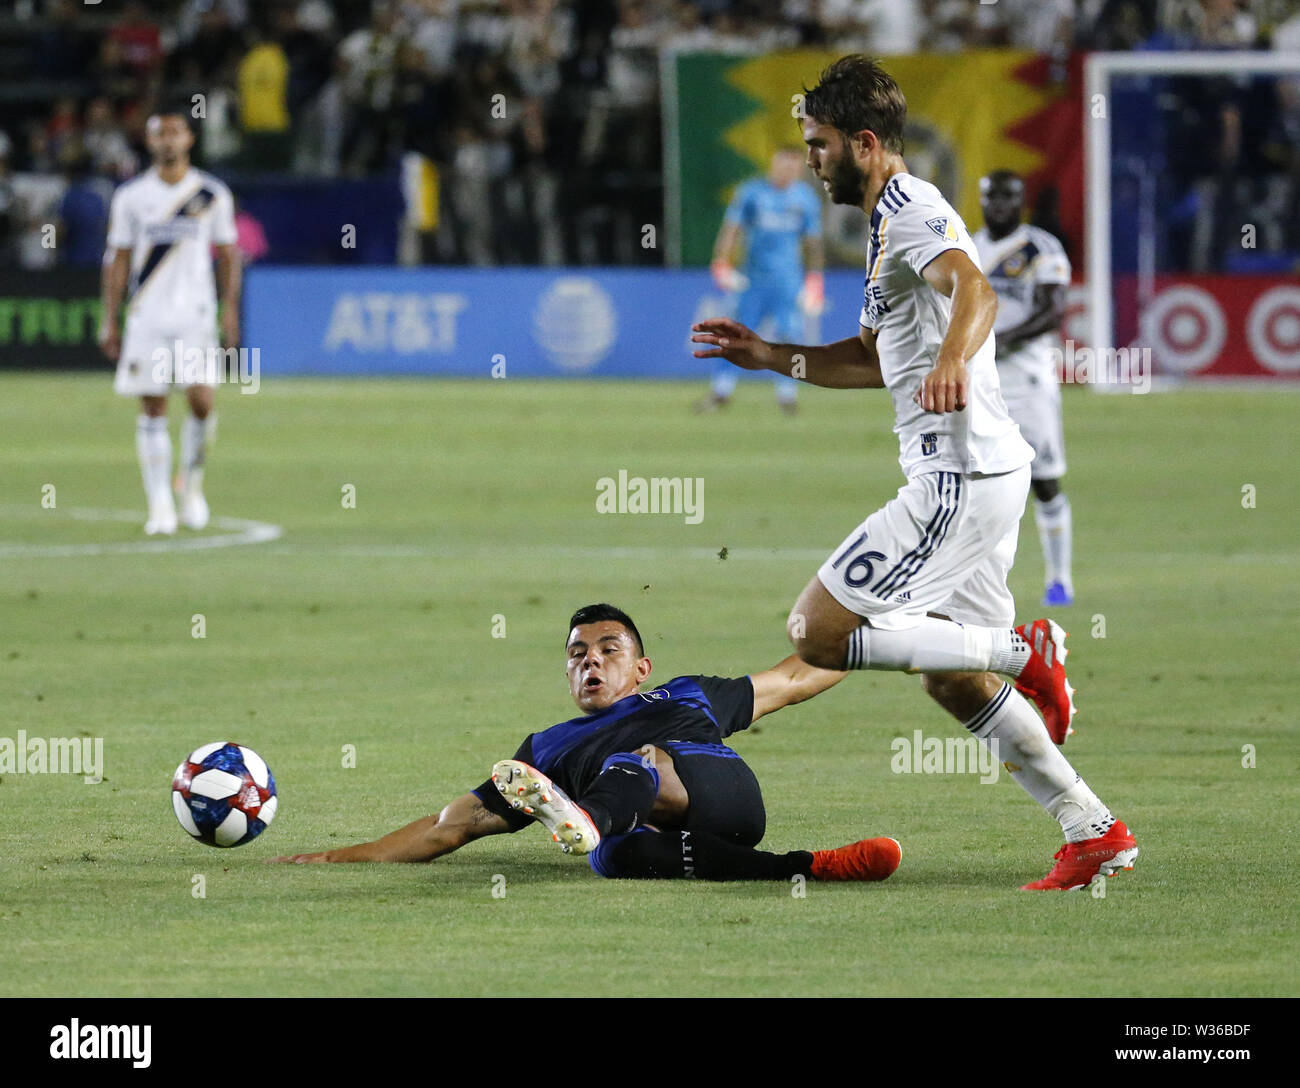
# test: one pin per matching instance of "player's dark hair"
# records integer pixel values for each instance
(855, 93)
(175, 106)
(599, 613)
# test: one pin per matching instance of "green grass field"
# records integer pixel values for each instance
(373, 627)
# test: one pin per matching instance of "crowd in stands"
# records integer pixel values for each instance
(343, 88)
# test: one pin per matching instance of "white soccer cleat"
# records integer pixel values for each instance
(529, 791)
(162, 519)
(194, 511)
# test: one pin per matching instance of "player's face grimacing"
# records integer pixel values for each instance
(831, 158)
(169, 139)
(603, 664)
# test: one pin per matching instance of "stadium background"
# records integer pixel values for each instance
(439, 134)
(370, 625)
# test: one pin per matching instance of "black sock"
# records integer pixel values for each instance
(703, 856)
(622, 795)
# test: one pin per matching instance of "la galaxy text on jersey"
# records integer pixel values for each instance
(705, 709)
(911, 225)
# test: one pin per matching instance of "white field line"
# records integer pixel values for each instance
(237, 531)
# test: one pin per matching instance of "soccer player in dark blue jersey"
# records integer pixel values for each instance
(641, 781)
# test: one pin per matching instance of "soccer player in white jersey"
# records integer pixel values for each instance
(921, 584)
(162, 228)
(1030, 272)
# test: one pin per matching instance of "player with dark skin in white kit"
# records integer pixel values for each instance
(1030, 272)
(921, 585)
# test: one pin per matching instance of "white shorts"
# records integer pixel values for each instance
(944, 544)
(1037, 411)
(156, 360)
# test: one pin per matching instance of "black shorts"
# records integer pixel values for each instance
(724, 795)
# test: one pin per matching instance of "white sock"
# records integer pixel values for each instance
(153, 448)
(1037, 764)
(1055, 533)
(196, 436)
(935, 645)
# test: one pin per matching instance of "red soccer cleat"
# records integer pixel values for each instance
(1043, 678)
(870, 859)
(1078, 863)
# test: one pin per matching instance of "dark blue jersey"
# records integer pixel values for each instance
(704, 709)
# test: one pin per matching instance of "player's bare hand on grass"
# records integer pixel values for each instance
(944, 389)
(300, 859)
(733, 342)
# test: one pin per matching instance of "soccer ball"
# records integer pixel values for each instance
(224, 794)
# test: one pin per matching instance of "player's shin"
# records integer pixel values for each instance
(153, 447)
(622, 795)
(1055, 532)
(669, 855)
(196, 437)
(1011, 730)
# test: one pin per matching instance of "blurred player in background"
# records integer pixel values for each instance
(779, 219)
(921, 584)
(1030, 272)
(163, 226)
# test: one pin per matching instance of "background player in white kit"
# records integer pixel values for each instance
(1030, 272)
(939, 552)
(162, 228)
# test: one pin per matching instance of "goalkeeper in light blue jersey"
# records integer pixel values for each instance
(779, 218)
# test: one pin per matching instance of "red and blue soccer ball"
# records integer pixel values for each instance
(224, 794)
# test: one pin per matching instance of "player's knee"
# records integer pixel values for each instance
(949, 689)
(153, 406)
(201, 398)
(937, 685)
(962, 694)
(1046, 490)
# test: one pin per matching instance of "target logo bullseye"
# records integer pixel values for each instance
(1273, 329)
(1185, 328)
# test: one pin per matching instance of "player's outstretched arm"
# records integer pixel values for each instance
(461, 822)
(974, 306)
(845, 364)
(792, 681)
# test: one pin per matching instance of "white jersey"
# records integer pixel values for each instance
(1027, 258)
(911, 225)
(170, 230)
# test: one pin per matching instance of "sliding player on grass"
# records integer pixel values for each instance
(658, 793)
(939, 552)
